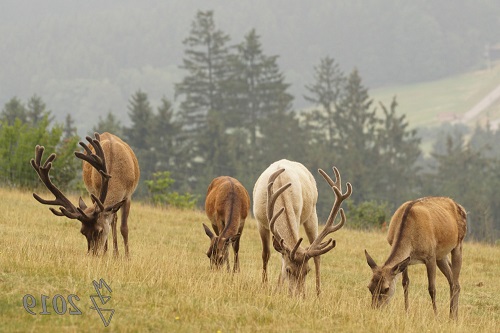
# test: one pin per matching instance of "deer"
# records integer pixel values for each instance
(425, 231)
(288, 187)
(226, 205)
(111, 174)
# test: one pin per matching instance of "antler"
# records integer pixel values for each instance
(271, 200)
(67, 208)
(98, 161)
(317, 247)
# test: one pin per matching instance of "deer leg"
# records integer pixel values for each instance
(266, 250)
(406, 284)
(236, 248)
(311, 228)
(317, 264)
(123, 226)
(431, 277)
(456, 265)
(115, 237)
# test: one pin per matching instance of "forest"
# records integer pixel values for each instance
(234, 115)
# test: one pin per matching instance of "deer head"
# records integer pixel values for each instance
(383, 283)
(218, 252)
(295, 258)
(96, 219)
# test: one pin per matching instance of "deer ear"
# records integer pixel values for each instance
(370, 261)
(208, 231)
(115, 207)
(398, 268)
(82, 204)
(277, 246)
(234, 238)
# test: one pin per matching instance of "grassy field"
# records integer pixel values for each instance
(167, 285)
(430, 103)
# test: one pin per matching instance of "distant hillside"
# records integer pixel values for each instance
(88, 57)
(469, 98)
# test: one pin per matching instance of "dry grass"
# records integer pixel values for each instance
(167, 286)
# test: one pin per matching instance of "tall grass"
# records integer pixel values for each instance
(167, 285)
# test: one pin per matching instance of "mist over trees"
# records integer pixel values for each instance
(89, 57)
(233, 114)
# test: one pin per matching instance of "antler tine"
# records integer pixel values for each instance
(271, 196)
(98, 161)
(271, 200)
(319, 247)
(67, 208)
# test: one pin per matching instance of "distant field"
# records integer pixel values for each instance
(167, 286)
(430, 103)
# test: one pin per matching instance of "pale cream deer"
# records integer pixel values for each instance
(285, 197)
(227, 205)
(424, 231)
(111, 174)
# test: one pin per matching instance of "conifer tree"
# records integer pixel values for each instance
(141, 116)
(325, 92)
(37, 110)
(13, 109)
(205, 61)
(109, 124)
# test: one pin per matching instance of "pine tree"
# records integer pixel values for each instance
(256, 87)
(355, 140)
(169, 151)
(325, 92)
(109, 124)
(399, 150)
(205, 61)
(37, 110)
(13, 109)
(138, 136)
(141, 116)
(202, 107)
(69, 129)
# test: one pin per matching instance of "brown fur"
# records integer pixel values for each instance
(227, 205)
(422, 231)
(111, 180)
(123, 167)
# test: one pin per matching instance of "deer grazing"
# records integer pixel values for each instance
(226, 206)
(111, 174)
(285, 197)
(424, 231)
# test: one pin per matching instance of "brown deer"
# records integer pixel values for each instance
(299, 207)
(111, 174)
(226, 206)
(422, 231)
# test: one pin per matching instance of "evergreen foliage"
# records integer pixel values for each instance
(235, 117)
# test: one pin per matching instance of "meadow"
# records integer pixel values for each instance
(167, 285)
(432, 103)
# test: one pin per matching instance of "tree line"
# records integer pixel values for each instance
(233, 115)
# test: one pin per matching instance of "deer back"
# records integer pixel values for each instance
(227, 204)
(430, 225)
(299, 200)
(122, 165)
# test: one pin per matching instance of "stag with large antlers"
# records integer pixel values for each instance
(226, 206)
(424, 231)
(285, 197)
(111, 174)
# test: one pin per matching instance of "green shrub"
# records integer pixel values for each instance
(158, 188)
(368, 215)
